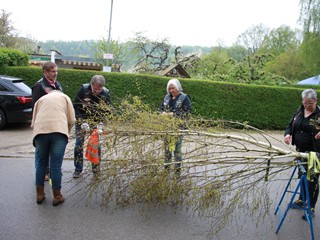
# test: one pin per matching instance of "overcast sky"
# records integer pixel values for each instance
(183, 22)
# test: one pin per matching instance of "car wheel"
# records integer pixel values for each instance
(3, 119)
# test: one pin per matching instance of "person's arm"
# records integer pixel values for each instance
(77, 104)
(161, 107)
(108, 99)
(288, 132)
(70, 114)
(37, 92)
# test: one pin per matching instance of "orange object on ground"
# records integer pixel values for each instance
(92, 151)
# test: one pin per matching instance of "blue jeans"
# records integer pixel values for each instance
(78, 151)
(50, 146)
(177, 149)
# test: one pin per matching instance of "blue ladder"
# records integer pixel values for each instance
(303, 187)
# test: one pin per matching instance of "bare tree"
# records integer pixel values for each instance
(157, 55)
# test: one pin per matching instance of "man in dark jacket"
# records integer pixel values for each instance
(91, 107)
(47, 83)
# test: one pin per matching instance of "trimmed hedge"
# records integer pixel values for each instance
(265, 107)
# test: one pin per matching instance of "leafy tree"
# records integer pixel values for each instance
(26, 44)
(288, 64)
(310, 20)
(237, 52)
(9, 37)
(310, 51)
(310, 16)
(118, 51)
(253, 38)
(280, 40)
(7, 31)
(211, 65)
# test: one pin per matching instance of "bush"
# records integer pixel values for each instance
(12, 57)
(264, 107)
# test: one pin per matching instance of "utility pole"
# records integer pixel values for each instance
(110, 26)
(107, 68)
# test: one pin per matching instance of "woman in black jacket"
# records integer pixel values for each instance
(303, 132)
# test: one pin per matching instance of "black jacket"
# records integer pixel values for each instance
(180, 106)
(43, 87)
(303, 130)
(86, 104)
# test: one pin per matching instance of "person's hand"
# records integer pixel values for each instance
(85, 127)
(168, 114)
(317, 136)
(288, 139)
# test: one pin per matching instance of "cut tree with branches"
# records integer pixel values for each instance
(225, 164)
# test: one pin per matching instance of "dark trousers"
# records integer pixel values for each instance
(78, 151)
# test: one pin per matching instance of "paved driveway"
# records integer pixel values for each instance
(22, 218)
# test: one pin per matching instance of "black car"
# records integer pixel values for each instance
(15, 101)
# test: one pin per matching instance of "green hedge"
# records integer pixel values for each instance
(264, 107)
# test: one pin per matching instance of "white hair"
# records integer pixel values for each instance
(309, 93)
(176, 83)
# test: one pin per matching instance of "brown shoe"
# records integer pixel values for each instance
(40, 194)
(57, 197)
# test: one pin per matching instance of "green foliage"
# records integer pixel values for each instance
(7, 31)
(280, 40)
(310, 16)
(252, 39)
(310, 50)
(265, 107)
(289, 65)
(11, 57)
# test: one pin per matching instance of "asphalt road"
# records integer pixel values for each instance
(21, 218)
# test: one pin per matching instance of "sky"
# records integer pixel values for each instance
(182, 22)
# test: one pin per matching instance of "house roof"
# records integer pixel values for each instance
(66, 61)
(173, 69)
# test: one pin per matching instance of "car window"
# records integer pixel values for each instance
(3, 89)
(23, 87)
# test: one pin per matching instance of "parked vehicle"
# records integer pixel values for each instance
(15, 101)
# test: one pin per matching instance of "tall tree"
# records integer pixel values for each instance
(310, 16)
(280, 40)
(310, 48)
(253, 38)
(9, 37)
(7, 31)
(156, 55)
(118, 51)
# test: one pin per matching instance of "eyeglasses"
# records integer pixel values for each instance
(308, 103)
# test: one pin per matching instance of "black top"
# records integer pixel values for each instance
(43, 87)
(303, 130)
(180, 106)
(86, 104)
